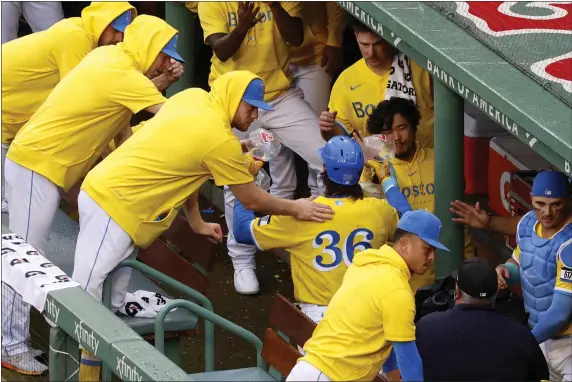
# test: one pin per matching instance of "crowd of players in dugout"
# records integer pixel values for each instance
(296, 48)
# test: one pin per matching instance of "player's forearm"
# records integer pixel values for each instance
(192, 212)
(551, 322)
(161, 82)
(260, 201)
(507, 225)
(225, 46)
(291, 28)
(409, 361)
(394, 197)
(242, 220)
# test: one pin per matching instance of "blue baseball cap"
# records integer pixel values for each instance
(171, 49)
(551, 184)
(254, 95)
(122, 21)
(423, 224)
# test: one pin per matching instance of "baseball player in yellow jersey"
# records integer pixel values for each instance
(68, 133)
(134, 195)
(320, 56)
(414, 165)
(257, 37)
(321, 253)
(382, 73)
(372, 312)
(33, 65)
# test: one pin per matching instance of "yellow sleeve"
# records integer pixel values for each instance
(213, 18)
(398, 313)
(564, 269)
(136, 92)
(294, 8)
(516, 254)
(70, 51)
(192, 6)
(274, 231)
(227, 164)
(339, 103)
(336, 24)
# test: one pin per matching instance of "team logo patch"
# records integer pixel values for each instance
(566, 274)
(264, 220)
(132, 308)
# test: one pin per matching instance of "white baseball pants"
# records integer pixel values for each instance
(40, 15)
(5, 148)
(296, 125)
(101, 246)
(315, 84)
(34, 201)
(558, 354)
(304, 371)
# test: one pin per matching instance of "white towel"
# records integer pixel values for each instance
(143, 304)
(400, 82)
(30, 274)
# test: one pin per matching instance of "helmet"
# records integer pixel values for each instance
(343, 158)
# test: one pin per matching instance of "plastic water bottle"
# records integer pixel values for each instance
(380, 147)
(262, 180)
(263, 145)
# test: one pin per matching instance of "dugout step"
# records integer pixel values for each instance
(248, 374)
(61, 250)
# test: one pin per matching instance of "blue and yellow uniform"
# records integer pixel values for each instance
(321, 253)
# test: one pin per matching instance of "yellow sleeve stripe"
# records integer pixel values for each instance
(252, 233)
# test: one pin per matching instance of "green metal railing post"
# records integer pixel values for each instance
(180, 18)
(178, 286)
(208, 316)
(449, 174)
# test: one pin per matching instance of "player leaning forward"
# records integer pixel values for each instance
(372, 313)
(134, 195)
(34, 64)
(68, 133)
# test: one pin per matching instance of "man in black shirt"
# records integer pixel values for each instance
(473, 341)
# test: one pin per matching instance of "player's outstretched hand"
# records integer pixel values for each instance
(310, 211)
(327, 120)
(248, 16)
(211, 230)
(502, 275)
(472, 216)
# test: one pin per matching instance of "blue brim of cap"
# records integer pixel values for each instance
(259, 104)
(173, 54)
(119, 26)
(434, 243)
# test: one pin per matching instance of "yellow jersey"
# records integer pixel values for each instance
(33, 65)
(358, 91)
(416, 180)
(92, 104)
(373, 307)
(263, 52)
(320, 253)
(143, 184)
(323, 25)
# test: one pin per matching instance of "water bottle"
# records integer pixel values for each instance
(379, 147)
(263, 145)
(262, 180)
